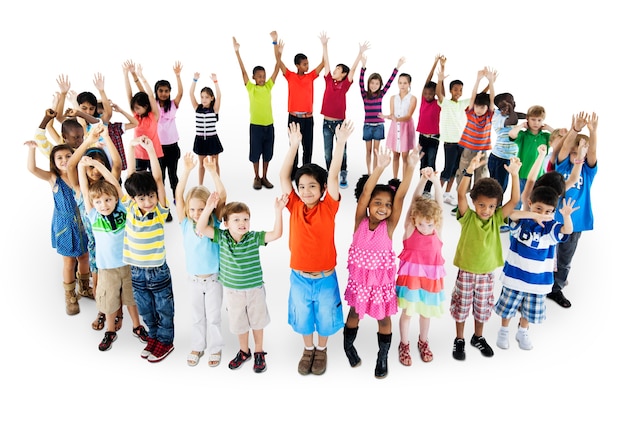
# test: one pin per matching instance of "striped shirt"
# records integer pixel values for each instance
(240, 263)
(206, 121)
(504, 148)
(529, 266)
(452, 119)
(144, 239)
(373, 106)
(477, 132)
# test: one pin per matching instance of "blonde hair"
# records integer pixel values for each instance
(426, 208)
(536, 112)
(202, 193)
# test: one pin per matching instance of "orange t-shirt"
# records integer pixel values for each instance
(148, 126)
(300, 98)
(312, 234)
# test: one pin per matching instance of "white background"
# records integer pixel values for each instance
(561, 57)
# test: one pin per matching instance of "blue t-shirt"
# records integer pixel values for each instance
(581, 193)
(202, 255)
(108, 233)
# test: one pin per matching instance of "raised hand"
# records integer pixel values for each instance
(189, 161)
(64, 83)
(98, 81)
(384, 156)
(344, 130)
(178, 67)
(514, 165)
(295, 136)
(236, 44)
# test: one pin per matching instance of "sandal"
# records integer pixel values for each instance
(193, 358)
(215, 358)
(119, 319)
(404, 352)
(98, 324)
(424, 350)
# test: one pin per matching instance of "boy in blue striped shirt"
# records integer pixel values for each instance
(528, 271)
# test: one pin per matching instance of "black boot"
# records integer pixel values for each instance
(384, 342)
(349, 335)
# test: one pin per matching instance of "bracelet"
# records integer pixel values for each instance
(579, 161)
(274, 42)
(467, 174)
(214, 81)
(576, 130)
(195, 80)
(136, 80)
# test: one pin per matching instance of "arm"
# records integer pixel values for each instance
(210, 165)
(514, 132)
(574, 175)
(295, 139)
(189, 163)
(409, 227)
(592, 126)
(72, 163)
(155, 168)
(154, 105)
(241, 66)
(432, 69)
(132, 121)
(384, 159)
(218, 94)
(64, 87)
(40, 136)
(412, 107)
(343, 131)
(525, 214)
(325, 64)
(277, 65)
(578, 122)
(513, 169)
(491, 75)
(84, 185)
(129, 68)
(278, 49)
(479, 76)
(116, 158)
(178, 67)
(192, 91)
(98, 82)
(362, 48)
(277, 232)
(463, 186)
(31, 164)
(532, 175)
(203, 226)
(567, 210)
(398, 201)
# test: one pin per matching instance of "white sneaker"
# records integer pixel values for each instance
(523, 339)
(427, 195)
(503, 338)
(450, 198)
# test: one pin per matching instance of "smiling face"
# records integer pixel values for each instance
(309, 190)
(163, 93)
(195, 208)
(485, 206)
(237, 224)
(61, 158)
(146, 203)
(380, 207)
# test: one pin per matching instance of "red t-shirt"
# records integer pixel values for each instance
(300, 87)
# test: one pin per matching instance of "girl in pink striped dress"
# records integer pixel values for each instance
(419, 286)
(371, 259)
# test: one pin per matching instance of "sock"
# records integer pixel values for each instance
(309, 348)
(320, 348)
(504, 329)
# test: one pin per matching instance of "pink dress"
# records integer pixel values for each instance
(371, 272)
(401, 134)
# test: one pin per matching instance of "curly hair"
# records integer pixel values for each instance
(487, 187)
(391, 187)
(425, 208)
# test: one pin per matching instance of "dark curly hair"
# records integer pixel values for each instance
(391, 187)
(487, 187)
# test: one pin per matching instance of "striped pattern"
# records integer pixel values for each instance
(373, 106)
(477, 132)
(144, 239)
(206, 121)
(240, 263)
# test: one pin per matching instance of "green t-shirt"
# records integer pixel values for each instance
(479, 249)
(527, 153)
(260, 102)
(240, 263)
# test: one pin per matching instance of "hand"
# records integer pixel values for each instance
(31, 144)
(209, 164)
(592, 122)
(281, 46)
(129, 66)
(514, 165)
(70, 112)
(401, 61)
(324, 38)
(542, 150)
(235, 44)
(491, 74)
(64, 83)
(196, 76)
(139, 69)
(295, 136)
(344, 130)
(98, 81)
(579, 121)
(364, 47)
(178, 67)
(87, 161)
(476, 162)
(442, 60)
(384, 156)
(214, 199)
(214, 77)
(428, 173)
(583, 147)
(414, 157)
(50, 113)
(281, 202)
(440, 75)
(189, 161)
(568, 207)
(114, 106)
(541, 218)
(273, 35)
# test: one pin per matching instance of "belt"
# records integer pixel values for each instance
(315, 274)
(301, 114)
(431, 136)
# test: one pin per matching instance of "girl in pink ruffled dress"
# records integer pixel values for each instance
(371, 259)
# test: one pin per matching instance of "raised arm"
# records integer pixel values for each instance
(178, 68)
(277, 232)
(343, 131)
(98, 82)
(384, 159)
(362, 48)
(154, 105)
(192, 91)
(491, 75)
(189, 163)
(64, 86)
(244, 74)
(532, 175)
(325, 64)
(203, 226)
(72, 163)
(432, 69)
(398, 202)
(278, 50)
(513, 169)
(43, 144)
(440, 90)
(578, 122)
(31, 164)
(295, 138)
(218, 94)
(210, 166)
(479, 75)
(592, 126)
(464, 184)
(132, 121)
(129, 69)
(277, 65)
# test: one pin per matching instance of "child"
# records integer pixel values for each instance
(299, 98)
(371, 259)
(334, 104)
(479, 251)
(476, 135)
(117, 129)
(202, 260)
(168, 133)
(67, 233)
(146, 110)
(374, 124)
(107, 218)
(504, 119)
(72, 133)
(421, 272)
(582, 219)
(428, 124)
(207, 142)
(528, 272)
(144, 251)
(261, 118)
(402, 107)
(314, 299)
(529, 135)
(241, 273)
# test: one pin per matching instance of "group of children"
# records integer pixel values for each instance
(113, 242)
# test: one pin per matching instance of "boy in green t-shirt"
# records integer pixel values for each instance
(479, 251)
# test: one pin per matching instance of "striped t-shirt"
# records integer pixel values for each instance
(240, 263)
(144, 239)
(477, 132)
(373, 106)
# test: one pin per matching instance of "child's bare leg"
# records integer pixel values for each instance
(478, 328)
(424, 328)
(396, 164)
(215, 159)
(505, 322)
(257, 334)
(352, 321)
(69, 264)
(322, 342)
(523, 323)
(134, 315)
(384, 326)
(201, 169)
(405, 327)
(243, 342)
(460, 328)
(110, 322)
(368, 156)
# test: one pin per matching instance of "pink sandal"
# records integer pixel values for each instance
(404, 351)
(424, 350)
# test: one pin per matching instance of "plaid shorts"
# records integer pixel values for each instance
(531, 305)
(472, 291)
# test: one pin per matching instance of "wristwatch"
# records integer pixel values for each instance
(466, 174)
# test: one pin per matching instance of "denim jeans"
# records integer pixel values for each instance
(329, 140)
(306, 129)
(452, 152)
(152, 290)
(497, 171)
(564, 255)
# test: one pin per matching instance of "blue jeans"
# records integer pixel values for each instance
(152, 290)
(497, 170)
(430, 146)
(306, 129)
(329, 140)
(564, 255)
(522, 185)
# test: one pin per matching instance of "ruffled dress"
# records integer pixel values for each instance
(371, 272)
(421, 274)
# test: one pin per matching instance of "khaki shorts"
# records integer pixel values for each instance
(115, 288)
(247, 309)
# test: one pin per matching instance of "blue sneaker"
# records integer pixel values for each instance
(343, 179)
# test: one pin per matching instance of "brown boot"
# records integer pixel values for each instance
(71, 300)
(84, 289)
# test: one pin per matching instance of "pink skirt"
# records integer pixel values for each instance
(401, 136)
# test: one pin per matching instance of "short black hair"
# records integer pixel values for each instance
(140, 183)
(545, 195)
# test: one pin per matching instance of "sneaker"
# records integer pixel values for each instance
(107, 341)
(140, 332)
(458, 350)
(427, 195)
(481, 344)
(160, 352)
(257, 184)
(319, 362)
(266, 183)
(503, 338)
(239, 359)
(450, 198)
(343, 179)
(454, 210)
(559, 298)
(504, 229)
(149, 348)
(259, 362)
(523, 339)
(306, 361)
(169, 217)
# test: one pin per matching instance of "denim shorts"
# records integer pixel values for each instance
(375, 131)
(315, 304)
